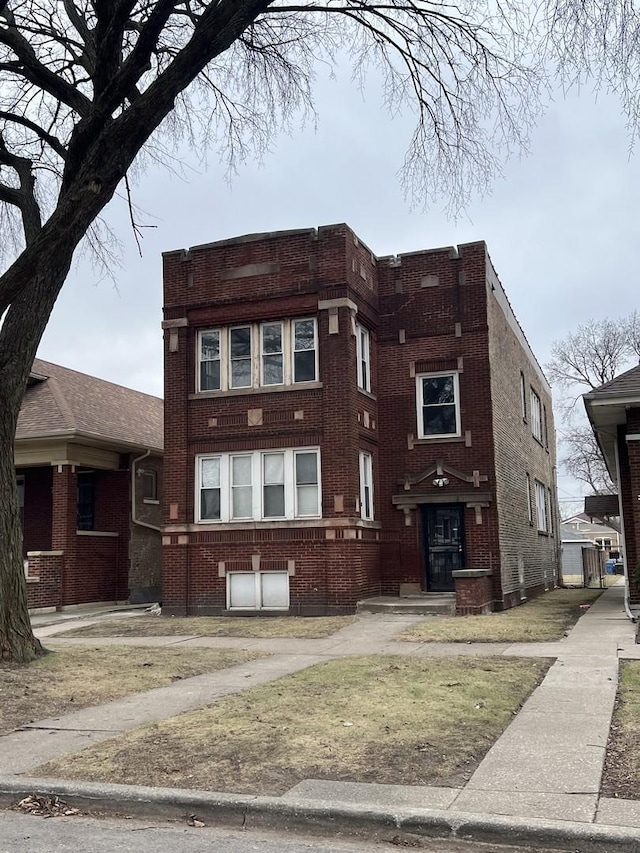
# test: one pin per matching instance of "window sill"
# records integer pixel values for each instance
(368, 394)
(265, 389)
(150, 502)
(440, 439)
(543, 533)
(333, 522)
(97, 533)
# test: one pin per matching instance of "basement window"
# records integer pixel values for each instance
(257, 591)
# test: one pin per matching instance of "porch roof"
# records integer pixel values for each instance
(607, 408)
(60, 403)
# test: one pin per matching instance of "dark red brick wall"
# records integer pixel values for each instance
(414, 328)
(37, 508)
(440, 324)
(44, 584)
(98, 573)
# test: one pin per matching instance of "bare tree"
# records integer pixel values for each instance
(88, 86)
(592, 355)
(583, 460)
(597, 352)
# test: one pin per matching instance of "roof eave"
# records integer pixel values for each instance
(98, 440)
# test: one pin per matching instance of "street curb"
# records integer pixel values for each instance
(327, 818)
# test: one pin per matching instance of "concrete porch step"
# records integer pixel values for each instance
(427, 604)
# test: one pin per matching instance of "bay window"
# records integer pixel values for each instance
(258, 486)
(257, 355)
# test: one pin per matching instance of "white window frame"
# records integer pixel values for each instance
(536, 416)
(256, 358)
(541, 507)
(420, 405)
(282, 352)
(363, 351)
(200, 360)
(258, 605)
(523, 396)
(291, 512)
(529, 504)
(367, 510)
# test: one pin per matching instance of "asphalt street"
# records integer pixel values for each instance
(22, 833)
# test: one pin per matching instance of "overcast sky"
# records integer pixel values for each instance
(562, 226)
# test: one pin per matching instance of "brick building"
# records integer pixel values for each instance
(614, 413)
(339, 426)
(83, 448)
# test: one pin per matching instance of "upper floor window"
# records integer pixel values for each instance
(541, 508)
(523, 396)
(438, 405)
(363, 347)
(536, 416)
(259, 486)
(258, 355)
(366, 485)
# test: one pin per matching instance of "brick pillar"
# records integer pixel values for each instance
(64, 521)
(473, 591)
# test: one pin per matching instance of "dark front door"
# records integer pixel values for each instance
(443, 530)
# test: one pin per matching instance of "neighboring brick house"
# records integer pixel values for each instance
(614, 413)
(339, 426)
(83, 448)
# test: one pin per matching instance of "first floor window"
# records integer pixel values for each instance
(149, 486)
(210, 489)
(241, 487)
(273, 488)
(529, 506)
(259, 486)
(438, 405)
(307, 495)
(366, 485)
(541, 508)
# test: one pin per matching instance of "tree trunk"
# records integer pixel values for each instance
(22, 328)
(17, 642)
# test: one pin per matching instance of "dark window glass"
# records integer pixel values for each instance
(86, 502)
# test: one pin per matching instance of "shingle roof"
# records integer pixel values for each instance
(627, 383)
(59, 400)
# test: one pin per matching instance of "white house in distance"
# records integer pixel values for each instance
(604, 537)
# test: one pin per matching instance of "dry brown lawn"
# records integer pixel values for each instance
(371, 719)
(78, 676)
(293, 627)
(545, 618)
(621, 776)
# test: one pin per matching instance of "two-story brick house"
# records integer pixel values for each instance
(339, 425)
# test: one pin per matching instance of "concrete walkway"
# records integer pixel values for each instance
(546, 766)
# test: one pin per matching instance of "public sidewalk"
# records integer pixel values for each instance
(539, 783)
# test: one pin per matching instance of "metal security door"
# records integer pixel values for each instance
(443, 528)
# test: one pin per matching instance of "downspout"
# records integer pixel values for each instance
(627, 608)
(135, 520)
